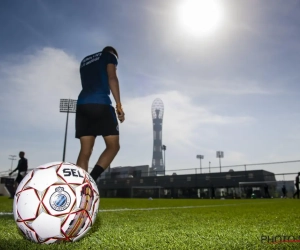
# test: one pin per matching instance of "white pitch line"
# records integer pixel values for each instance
(162, 208)
(4, 213)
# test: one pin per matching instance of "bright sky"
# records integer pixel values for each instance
(228, 75)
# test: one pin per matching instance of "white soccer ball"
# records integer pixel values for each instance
(56, 202)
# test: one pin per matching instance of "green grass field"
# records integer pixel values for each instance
(175, 224)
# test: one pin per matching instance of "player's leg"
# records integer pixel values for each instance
(85, 133)
(18, 180)
(86, 148)
(110, 133)
(16, 184)
(111, 150)
(107, 156)
(295, 191)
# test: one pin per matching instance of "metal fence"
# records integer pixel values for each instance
(284, 170)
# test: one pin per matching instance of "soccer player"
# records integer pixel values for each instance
(95, 115)
(22, 169)
(297, 186)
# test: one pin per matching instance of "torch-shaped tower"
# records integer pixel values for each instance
(157, 117)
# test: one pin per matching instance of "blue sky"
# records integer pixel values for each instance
(235, 90)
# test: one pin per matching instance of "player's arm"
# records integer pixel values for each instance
(113, 82)
(15, 169)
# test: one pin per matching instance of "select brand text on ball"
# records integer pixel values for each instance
(73, 172)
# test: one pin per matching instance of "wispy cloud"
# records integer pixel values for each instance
(209, 85)
(231, 87)
(34, 84)
(184, 125)
(31, 30)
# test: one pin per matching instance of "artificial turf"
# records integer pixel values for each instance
(176, 224)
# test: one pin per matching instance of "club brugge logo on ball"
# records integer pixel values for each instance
(60, 200)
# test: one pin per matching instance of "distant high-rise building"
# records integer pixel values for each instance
(157, 117)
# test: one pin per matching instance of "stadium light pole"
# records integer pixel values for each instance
(220, 154)
(164, 147)
(12, 158)
(67, 106)
(209, 166)
(200, 157)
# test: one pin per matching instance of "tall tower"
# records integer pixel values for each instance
(157, 117)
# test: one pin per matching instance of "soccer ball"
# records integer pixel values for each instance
(56, 202)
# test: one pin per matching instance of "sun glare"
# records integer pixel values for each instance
(200, 17)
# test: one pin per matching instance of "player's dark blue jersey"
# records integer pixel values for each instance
(94, 79)
(22, 165)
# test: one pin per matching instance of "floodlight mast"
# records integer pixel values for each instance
(67, 106)
(200, 157)
(220, 154)
(12, 158)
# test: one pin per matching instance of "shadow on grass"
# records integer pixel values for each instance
(7, 217)
(9, 244)
(96, 226)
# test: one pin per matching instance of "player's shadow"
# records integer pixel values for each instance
(22, 244)
(97, 225)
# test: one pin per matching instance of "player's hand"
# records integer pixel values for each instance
(120, 112)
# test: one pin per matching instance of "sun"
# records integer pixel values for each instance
(200, 17)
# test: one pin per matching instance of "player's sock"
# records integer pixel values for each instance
(96, 172)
